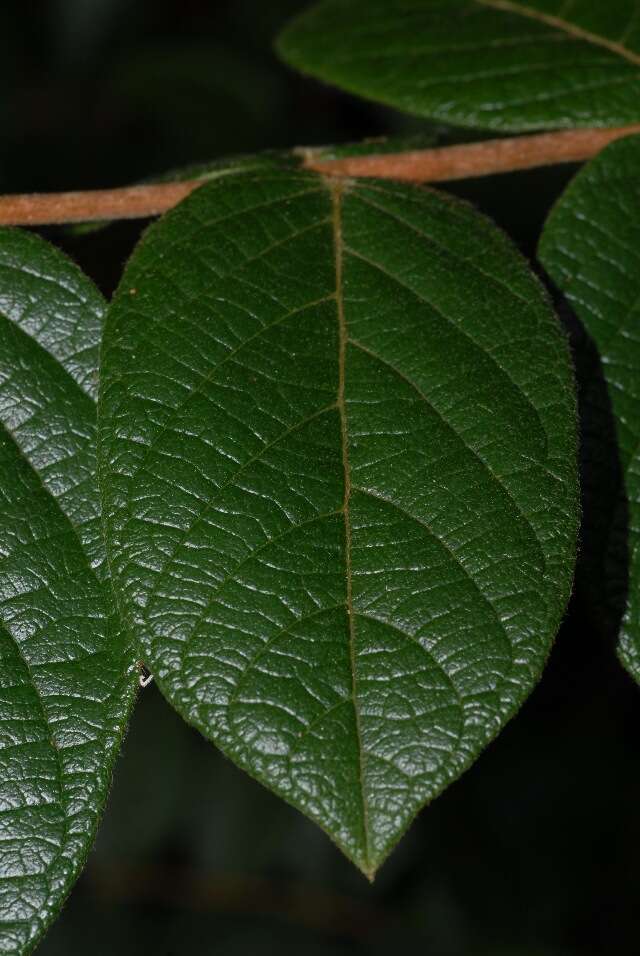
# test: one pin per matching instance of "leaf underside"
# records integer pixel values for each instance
(488, 64)
(66, 682)
(591, 248)
(337, 437)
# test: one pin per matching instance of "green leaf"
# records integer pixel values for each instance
(490, 64)
(337, 462)
(591, 248)
(67, 676)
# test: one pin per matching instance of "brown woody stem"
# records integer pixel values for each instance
(419, 166)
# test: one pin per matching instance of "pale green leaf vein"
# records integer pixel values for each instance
(572, 29)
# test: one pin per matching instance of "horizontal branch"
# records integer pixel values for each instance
(486, 158)
(440, 164)
(94, 205)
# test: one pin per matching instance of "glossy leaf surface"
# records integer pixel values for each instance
(591, 248)
(66, 679)
(337, 459)
(494, 64)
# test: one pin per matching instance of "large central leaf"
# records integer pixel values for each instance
(494, 64)
(338, 437)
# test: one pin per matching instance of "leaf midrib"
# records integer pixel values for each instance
(579, 33)
(337, 191)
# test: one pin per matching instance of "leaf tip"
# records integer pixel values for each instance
(370, 873)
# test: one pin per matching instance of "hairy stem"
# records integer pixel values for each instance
(418, 166)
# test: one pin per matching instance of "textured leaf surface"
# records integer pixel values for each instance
(337, 456)
(490, 64)
(591, 248)
(66, 681)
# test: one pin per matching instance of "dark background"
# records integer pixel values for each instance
(534, 852)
